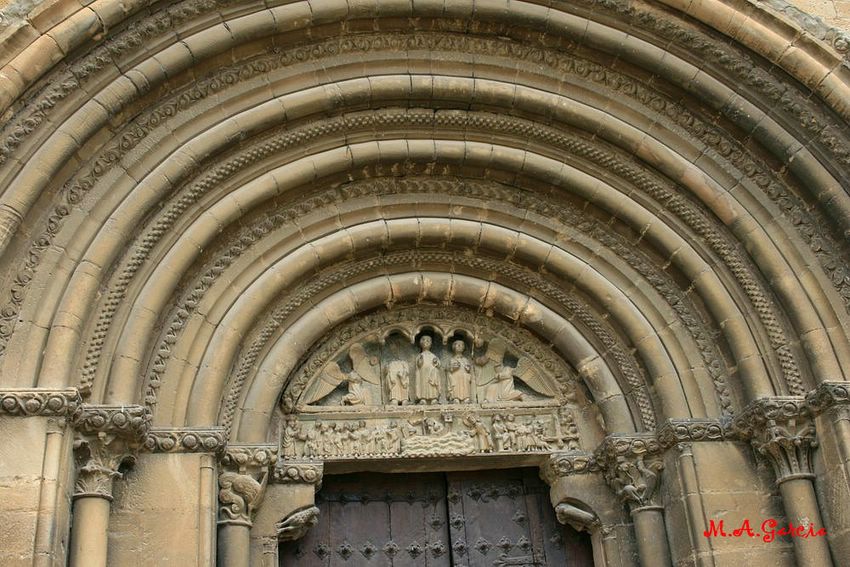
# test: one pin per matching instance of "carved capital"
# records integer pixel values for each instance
(296, 525)
(676, 431)
(106, 438)
(186, 440)
(99, 460)
(242, 482)
(632, 467)
(299, 472)
(567, 464)
(830, 395)
(781, 430)
(39, 402)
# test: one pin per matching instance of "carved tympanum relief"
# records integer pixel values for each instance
(425, 382)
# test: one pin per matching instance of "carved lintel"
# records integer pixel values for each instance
(106, 437)
(632, 467)
(299, 472)
(242, 482)
(780, 429)
(675, 431)
(296, 525)
(566, 464)
(830, 395)
(186, 440)
(39, 402)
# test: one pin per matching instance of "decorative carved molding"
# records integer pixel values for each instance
(296, 525)
(131, 422)
(675, 431)
(780, 429)
(567, 464)
(186, 440)
(632, 467)
(39, 402)
(295, 472)
(242, 482)
(828, 395)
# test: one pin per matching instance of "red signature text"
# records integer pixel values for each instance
(769, 530)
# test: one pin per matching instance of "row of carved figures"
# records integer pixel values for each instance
(483, 378)
(503, 433)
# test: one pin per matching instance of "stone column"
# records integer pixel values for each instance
(632, 466)
(830, 405)
(782, 431)
(107, 437)
(242, 479)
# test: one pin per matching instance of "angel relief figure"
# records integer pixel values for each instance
(364, 370)
(497, 381)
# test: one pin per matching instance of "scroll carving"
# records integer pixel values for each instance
(38, 402)
(194, 440)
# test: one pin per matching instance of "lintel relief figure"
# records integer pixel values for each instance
(428, 369)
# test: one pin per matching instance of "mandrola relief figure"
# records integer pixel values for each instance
(428, 369)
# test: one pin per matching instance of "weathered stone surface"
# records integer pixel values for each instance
(245, 247)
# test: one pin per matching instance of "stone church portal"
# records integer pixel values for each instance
(424, 282)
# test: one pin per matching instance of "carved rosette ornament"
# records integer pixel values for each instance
(566, 464)
(242, 482)
(677, 431)
(189, 440)
(632, 467)
(107, 437)
(38, 402)
(781, 429)
(295, 472)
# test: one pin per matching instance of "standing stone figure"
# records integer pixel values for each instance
(427, 373)
(460, 375)
(398, 382)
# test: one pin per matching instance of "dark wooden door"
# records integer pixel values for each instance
(492, 519)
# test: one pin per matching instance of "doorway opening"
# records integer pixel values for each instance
(470, 519)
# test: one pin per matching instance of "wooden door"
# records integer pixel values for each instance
(471, 519)
(502, 518)
(371, 520)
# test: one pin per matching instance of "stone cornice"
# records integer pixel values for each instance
(39, 402)
(186, 440)
(245, 458)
